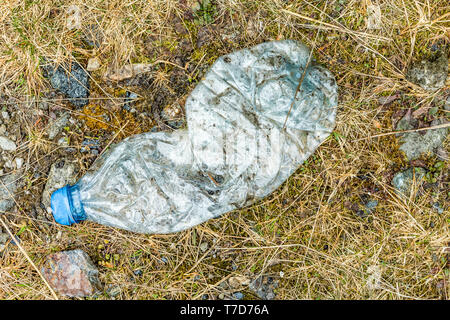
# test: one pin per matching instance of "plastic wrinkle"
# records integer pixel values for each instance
(233, 152)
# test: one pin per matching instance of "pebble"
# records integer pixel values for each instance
(138, 272)
(10, 181)
(73, 84)
(57, 125)
(238, 295)
(7, 144)
(71, 273)
(264, 287)
(437, 206)
(61, 173)
(93, 64)
(5, 115)
(19, 163)
(204, 246)
(414, 144)
(403, 181)
(3, 238)
(238, 281)
(429, 74)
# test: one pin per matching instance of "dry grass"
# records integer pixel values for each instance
(304, 235)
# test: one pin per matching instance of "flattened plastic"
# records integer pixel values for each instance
(236, 148)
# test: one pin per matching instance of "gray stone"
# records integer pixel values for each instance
(264, 287)
(57, 125)
(59, 176)
(3, 238)
(437, 206)
(447, 104)
(5, 115)
(238, 295)
(7, 194)
(63, 142)
(19, 163)
(204, 246)
(71, 273)
(430, 74)
(368, 208)
(73, 81)
(7, 144)
(403, 181)
(113, 290)
(413, 144)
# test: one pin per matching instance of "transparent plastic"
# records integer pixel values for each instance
(238, 146)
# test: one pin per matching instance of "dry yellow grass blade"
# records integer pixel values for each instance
(28, 258)
(329, 26)
(440, 126)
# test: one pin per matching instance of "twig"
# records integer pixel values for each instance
(297, 90)
(440, 126)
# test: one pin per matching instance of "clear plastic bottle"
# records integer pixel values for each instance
(246, 134)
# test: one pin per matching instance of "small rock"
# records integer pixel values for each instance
(19, 163)
(127, 71)
(437, 206)
(413, 144)
(264, 287)
(430, 74)
(164, 260)
(6, 194)
(8, 164)
(73, 17)
(370, 206)
(403, 181)
(5, 115)
(2, 129)
(138, 272)
(71, 273)
(90, 144)
(7, 144)
(129, 98)
(93, 64)
(57, 125)
(374, 17)
(59, 176)
(447, 104)
(3, 238)
(204, 246)
(238, 295)
(63, 142)
(238, 281)
(72, 81)
(113, 291)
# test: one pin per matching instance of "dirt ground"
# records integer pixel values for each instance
(314, 238)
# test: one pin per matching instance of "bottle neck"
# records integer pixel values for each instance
(75, 203)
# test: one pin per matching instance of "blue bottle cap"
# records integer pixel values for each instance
(66, 206)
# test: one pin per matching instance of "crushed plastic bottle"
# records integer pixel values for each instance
(243, 140)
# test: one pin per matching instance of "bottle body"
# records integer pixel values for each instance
(248, 130)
